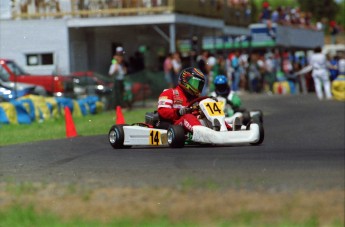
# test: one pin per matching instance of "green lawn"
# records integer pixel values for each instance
(55, 128)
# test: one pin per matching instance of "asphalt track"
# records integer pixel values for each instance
(303, 149)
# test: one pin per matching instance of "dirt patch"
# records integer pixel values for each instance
(195, 205)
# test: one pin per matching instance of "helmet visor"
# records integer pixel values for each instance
(196, 83)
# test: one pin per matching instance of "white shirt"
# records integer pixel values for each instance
(117, 71)
(341, 66)
(176, 66)
(318, 61)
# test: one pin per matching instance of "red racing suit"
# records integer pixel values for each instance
(169, 103)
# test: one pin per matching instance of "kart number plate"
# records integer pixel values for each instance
(214, 108)
(155, 137)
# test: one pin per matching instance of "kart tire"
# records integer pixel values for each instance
(176, 136)
(116, 137)
(261, 132)
(259, 117)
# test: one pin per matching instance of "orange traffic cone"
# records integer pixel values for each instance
(70, 128)
(119, 116)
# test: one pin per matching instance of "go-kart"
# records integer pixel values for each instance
(214, 130)
(243, 114)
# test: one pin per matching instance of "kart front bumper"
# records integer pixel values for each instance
(206, 135)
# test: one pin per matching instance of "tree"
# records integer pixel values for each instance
(320, 8)
(341, 14)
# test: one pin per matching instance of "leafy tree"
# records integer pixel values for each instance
(320, 8)
(341, 14)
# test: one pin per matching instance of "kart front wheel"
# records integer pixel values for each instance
(116, 137)
(176, 136)
(262, 134)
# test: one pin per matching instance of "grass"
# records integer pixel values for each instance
(55, 128)
(27, 216)
(195, 203)
(55, 205)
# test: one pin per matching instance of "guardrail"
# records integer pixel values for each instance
(42, 9)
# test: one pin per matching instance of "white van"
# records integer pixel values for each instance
(333, 49)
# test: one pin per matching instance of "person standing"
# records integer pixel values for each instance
(320, 75)
(168, 70)
(117, 71)
(176, 68)
(269, 77)
(235, 63)
(203, 67)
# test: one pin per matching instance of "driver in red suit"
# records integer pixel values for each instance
(173, 103)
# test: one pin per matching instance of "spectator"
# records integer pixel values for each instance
(212, 71)
(333, 66)
(202, 62)
(168, 70)
(320, 74)
(341, 64)
(243, 68)
(334, 30)
(288, 70)
(275, 15)
(261, 67)
(117, 71)
(338, 85)
(253, 74)
(235, 64)
(202, 65)
(269, 77)
(176, 67)
(266, 12)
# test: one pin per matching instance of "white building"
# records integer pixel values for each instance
(77, 35)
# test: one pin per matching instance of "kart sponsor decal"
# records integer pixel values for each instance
(188, 125)
(161, 102)
(155, 138)
(164, 100)
(214, 108)
(163, 97)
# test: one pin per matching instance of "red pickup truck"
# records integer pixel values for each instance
(54, 85)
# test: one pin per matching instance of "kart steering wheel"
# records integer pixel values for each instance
(195, 108)
(197, 100)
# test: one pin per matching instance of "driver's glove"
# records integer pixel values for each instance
(183, 111)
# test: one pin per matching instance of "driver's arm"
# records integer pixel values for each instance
(165, 106)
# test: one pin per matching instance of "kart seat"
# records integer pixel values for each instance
(152, 118)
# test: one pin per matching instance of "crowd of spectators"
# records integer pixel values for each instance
(285, 15)
(256, 72)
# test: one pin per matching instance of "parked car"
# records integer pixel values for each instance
(91, 83)
(11, 91)
(54, 85)
(94, 83)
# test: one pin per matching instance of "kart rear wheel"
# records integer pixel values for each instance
(176, 136)
(261, 132)
(116, 137)
(259, 117)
